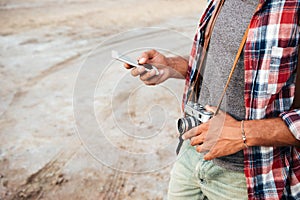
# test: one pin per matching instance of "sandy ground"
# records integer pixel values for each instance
(73, 123)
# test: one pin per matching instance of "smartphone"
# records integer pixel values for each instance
(132, 63)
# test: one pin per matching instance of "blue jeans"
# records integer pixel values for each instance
(194, 178)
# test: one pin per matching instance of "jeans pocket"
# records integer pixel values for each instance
(282, 64)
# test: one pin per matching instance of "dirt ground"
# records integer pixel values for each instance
(73, 123)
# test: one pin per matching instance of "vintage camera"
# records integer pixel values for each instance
(195, 114)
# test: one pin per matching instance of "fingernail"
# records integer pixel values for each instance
(183, 137)
(142, 60)
(161, 72)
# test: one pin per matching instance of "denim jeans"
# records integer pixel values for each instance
(194, 178)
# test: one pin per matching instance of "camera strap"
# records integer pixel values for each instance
(207, 35)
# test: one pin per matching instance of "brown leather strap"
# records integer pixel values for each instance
(296, 103)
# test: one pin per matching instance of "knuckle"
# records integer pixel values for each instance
(205, 126)
(146, 77)
(143, 77)
(152, 51)
(144, 55)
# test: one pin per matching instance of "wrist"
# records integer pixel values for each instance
(250, 137)
(244, 135)
(178, 66)
(268, 132)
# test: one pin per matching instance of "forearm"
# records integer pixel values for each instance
(269, 132)
(179, 66)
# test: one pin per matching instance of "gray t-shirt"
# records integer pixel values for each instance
(228, 32)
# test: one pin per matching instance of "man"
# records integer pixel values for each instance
(254, 142)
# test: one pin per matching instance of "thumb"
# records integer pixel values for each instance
(146, 56)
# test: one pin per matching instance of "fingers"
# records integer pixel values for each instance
(197, 140)
(147, 76)
(157, 79)
(146, 56)
(153, 76)
(195, 131)
(208, 156)
(143, 73)
(214, 153)
(127, 66)
(137, 71)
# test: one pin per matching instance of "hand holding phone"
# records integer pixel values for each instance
(132, 63)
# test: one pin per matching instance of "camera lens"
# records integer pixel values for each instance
(186, 123)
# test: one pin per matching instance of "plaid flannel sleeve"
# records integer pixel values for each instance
(292, 120)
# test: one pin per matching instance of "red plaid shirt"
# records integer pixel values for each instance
(270, 59)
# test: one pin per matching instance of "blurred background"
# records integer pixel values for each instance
(44, 47)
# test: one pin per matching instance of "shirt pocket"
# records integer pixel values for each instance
(283, 63)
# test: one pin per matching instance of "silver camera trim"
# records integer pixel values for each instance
(198, 111)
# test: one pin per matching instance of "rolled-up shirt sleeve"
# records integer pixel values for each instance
(292, 120)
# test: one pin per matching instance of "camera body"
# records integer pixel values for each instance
(195, 114)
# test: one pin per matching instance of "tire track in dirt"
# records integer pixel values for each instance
(46, 179)
(114, 186)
